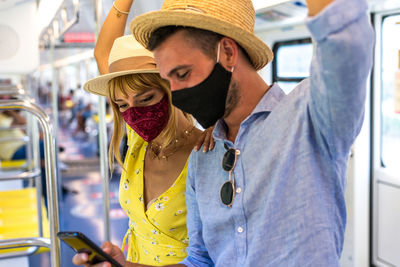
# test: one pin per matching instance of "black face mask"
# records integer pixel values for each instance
(205, 101)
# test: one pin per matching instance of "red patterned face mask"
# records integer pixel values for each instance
(148, 121)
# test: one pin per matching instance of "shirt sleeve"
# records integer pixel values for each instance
(342, 60)
(197, 252)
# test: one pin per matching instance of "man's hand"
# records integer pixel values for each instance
(316, 6)
(109, 248)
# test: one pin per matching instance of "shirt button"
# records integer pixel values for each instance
(238, 190)
(240, 229)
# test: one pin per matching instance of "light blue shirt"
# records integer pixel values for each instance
(290, 177)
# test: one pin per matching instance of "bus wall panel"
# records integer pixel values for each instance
(19, 45)
(388, 224)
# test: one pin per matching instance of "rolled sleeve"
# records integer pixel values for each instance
(193, 262)
(335, 17)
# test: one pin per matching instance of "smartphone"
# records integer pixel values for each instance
(81, 244)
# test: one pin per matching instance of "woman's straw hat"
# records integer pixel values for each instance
(127, 56)
(231, 18)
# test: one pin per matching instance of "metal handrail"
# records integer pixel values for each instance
(9, 86)
(16, 175)
(32, 243)
(28, 251)
(50, 167)
(21, 127)
(25, 242)
(13, 90)
(103, 140)
(32, 152)
(14, 139)
(18, 92)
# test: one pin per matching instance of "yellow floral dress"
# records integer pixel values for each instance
(156, 236)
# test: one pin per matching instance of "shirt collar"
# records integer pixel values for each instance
(267, 103)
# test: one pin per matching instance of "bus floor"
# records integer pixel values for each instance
(82, 205)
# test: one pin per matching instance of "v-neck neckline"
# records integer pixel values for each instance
(147, 211)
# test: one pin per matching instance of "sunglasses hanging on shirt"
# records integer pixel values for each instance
(227, 192)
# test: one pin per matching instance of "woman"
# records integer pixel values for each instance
(160, 139)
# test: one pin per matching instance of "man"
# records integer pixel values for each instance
(278, 198)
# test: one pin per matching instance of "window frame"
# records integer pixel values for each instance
(275, 48)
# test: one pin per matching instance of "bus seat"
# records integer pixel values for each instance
(8, 164)
(19, 218)
(108, 117)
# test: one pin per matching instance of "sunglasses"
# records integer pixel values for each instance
(227, 192)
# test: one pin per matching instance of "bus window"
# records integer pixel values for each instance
(292, 62)
(390, 117)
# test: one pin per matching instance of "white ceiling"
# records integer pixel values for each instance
(4, 4)
(281, 10)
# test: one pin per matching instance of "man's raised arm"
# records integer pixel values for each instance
(342, 61)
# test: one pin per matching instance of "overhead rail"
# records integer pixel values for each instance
(60, 24)
(51, 180)
(261, 5)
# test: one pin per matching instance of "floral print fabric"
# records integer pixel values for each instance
(156, 236)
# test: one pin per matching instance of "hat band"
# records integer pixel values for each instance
(133, 63)
(189, 8)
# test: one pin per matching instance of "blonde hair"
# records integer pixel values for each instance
(138, 83)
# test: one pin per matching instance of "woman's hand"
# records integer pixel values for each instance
(206, 140)
(109, 248)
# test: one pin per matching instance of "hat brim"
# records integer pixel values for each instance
(99, 85)
(143, 26)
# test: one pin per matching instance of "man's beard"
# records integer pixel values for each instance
(232, 99)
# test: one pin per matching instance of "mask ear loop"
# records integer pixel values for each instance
(219, 46)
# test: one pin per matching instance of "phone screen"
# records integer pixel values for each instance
(81, 244)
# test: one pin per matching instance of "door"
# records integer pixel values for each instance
(386, 143)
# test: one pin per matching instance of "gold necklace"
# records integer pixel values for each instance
(176, 145)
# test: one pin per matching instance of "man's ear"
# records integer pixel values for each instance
(229, 53)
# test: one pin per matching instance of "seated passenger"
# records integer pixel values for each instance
(13, 150)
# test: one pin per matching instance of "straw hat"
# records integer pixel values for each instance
(231, 18)
(127, 56)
